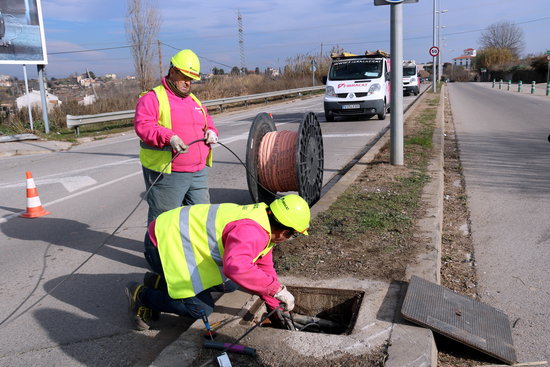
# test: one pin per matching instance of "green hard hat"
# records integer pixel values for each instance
(292, 211)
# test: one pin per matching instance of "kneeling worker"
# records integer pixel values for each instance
(198, 249)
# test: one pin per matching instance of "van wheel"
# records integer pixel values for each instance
(329, 117)
(382, 115)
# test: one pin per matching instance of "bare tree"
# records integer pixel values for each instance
(142, 28)
(503, 35)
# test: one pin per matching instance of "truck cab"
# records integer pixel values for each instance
(411, 80)
(358, 85)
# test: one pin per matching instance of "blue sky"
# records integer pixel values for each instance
(274, 30)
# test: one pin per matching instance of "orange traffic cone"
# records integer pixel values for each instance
(34, 206)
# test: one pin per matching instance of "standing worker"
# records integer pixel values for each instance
(199, 249)
(166, 118)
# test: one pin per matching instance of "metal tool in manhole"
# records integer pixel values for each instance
(281, 161)
(318, 310)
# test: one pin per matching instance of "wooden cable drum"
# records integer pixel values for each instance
(282, 161)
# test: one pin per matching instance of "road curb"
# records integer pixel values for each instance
(411, 345)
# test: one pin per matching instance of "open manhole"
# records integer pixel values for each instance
(320, 310)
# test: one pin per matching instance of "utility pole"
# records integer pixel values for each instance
(439, 39)
(396, 78)
(439, 44)
(160, 59)
(91, 83)
(43, 97)
(434, 74)
(27, 98)
(396, 85)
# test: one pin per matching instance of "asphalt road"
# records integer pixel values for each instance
(63, 275)
(504, 148)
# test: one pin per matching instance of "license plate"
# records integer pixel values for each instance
(350, 106)
(404, 89)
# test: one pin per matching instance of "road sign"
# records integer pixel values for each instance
(390, 2)
(548, 57)
(434, 51)
(548, 52)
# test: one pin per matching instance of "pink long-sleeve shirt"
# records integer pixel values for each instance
(243, 240)
(187, 122)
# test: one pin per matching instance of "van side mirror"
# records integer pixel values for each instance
(388, 76)
(324, 79)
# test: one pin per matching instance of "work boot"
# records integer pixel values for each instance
(139, 315)
(154, 281)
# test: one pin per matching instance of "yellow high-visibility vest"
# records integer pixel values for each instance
(157, 159)
(190, 244)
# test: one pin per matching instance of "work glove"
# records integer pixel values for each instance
(286, 298)
(211, 137)
(178, 145)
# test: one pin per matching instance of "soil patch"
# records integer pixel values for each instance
(369, 232)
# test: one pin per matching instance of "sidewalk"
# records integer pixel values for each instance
(378, 318)
(540, 88)
(29, 144)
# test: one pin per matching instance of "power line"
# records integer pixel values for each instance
(91, 50)
(200, 57)
(328, 44)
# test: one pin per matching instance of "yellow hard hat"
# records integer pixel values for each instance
(188, 63)
(292, 211)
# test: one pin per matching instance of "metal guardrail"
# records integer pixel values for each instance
(75, 121)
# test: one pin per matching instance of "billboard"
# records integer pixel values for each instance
(22, 38)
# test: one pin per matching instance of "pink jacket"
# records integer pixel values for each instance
(243, 240)
(187, 123)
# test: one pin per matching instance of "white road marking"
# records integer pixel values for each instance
(347, 135)
(68, 174)
(71, 184)
(11, 216)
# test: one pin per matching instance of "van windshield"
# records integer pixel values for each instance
(355, 69)
(409, 71)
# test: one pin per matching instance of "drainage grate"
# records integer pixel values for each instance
(461, 318)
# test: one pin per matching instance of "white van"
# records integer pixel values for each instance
(411, 80)
(358, 85)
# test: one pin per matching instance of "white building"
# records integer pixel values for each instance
(5, 81)
(466, 59)
(35, 100)
(272, 72)
(87, 100)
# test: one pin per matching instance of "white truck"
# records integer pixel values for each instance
(411, 80)
(358, 85)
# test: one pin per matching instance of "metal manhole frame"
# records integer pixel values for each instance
(461, 318)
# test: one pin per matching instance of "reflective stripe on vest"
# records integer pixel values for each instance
(157, 159)
(190, 246)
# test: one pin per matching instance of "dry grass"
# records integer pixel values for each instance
(122, 95)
